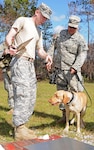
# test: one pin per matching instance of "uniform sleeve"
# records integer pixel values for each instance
(81, 55)
(18, 24)
(52, 48)
(39, 44)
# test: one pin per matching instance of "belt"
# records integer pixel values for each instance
(26, 58)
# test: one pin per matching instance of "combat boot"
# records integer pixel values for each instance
(10, 111)
(29, 130)
(23, 133)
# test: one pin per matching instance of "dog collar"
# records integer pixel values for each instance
(71, 98)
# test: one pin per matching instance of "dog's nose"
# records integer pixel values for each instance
(49, 100)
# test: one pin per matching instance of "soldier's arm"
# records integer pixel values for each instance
(9, 40)
(52, 47)
(81, 57)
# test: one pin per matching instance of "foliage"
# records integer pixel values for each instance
(88, 67)
(15, 8)
(85, 5)
(44, 120)
(84, 8)
(47, 34)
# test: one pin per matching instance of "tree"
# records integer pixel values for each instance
(47, 33)
(11, 10)
(84, 8)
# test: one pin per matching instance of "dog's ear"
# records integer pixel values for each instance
(65, 99)
(56, 94)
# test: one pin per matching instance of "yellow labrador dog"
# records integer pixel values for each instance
(75, 102)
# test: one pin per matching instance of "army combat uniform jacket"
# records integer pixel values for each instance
(71, 51)
(68, 51)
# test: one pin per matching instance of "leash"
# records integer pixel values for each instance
(84, 88)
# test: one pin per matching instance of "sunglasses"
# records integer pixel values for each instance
(72, 27)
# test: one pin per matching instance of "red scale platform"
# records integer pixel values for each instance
(54, 142)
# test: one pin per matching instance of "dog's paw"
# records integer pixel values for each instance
(78, 131)
(66, 130)
(79, 135)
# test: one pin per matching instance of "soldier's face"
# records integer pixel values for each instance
(40, 19)
(71, 30)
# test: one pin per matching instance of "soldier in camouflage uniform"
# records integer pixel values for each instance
(22, 67)
(71, 50)
(5, 59)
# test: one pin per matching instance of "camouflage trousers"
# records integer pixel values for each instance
(8, 87)
(24, 87)
(69, 82)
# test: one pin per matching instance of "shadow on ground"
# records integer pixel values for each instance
(4, 109)
(89, 126)
(5, 128)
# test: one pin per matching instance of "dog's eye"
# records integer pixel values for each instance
(56, 96)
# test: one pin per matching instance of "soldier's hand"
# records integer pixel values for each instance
(6, 51)
(72, 71)
(48, 62)
(48, 66)
(12, 50)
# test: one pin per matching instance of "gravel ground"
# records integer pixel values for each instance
(84, 137)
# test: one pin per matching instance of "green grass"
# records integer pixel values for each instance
(44, 120)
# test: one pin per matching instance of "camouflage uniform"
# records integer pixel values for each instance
(71, 51)
(23, 75)
(4, 65)
(24, 85)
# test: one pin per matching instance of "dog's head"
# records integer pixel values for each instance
(60, 96)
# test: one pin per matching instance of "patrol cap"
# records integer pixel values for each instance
(45, 10)
(74, 21)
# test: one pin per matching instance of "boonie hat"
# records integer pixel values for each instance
(45, 10)
(74, 21)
